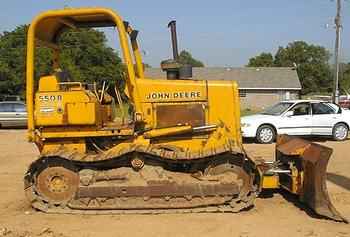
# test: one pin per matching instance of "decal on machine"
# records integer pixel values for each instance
(174, 95)
(47, 110)
(50, 98)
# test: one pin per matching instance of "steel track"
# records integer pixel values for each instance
(236, 204)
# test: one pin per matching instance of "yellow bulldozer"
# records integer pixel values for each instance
(179, 149)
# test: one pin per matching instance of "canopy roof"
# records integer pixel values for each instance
(49, 25)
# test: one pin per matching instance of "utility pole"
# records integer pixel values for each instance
(338, 27)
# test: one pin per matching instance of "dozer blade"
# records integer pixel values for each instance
(309, 171)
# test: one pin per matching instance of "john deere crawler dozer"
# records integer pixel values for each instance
(179, 150)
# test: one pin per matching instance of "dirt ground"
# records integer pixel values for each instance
(271, 216)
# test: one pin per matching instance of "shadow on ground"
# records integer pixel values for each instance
(294, 199)
(339, 180)
(249, 140)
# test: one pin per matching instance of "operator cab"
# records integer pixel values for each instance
(61, 101)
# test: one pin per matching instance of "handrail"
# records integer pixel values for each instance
(71, 83)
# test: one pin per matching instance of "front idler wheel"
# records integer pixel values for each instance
(57, 185)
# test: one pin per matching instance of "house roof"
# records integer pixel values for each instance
(246, 77)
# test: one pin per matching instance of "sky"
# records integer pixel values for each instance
(219, 33)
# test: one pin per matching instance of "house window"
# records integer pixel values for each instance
(242, 93)
(287, 95)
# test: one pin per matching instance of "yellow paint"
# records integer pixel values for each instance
(65, 111)
(48, 84)
(296, 180)
(45, 26)
(167, 131)
(51, 108)
(83, 132)
(66, 114)
(76, 110)
(137, 55)
(163, 91)
(77, 145)
(223, 107)
(270, 182)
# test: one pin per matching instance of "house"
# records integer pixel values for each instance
(258, 87)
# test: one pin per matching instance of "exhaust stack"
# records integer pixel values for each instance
(173, 67)
(172, 25)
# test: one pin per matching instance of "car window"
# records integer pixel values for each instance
(6, 107)
(336, 108)
(19, 108)
(301, 109)
(277, 109)
(321, 108)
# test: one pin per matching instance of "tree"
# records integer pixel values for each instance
(262, 60)
(86, 56)
(311, 62)
(12, 53)
(344, 78)
(312, 65)
(185, 57)
(146, 65)
(84, 53)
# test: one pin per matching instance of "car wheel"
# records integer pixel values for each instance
(265, 134)
(340, 132)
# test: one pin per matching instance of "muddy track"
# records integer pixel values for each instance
(58, 185)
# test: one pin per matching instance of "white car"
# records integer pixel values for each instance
(298, 117)
(13, 114)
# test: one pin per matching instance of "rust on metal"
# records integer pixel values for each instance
(153, 189)
(57, 184)
(137, 163)
(172, 25)
(312, 160)
(190, 114)
(159, 190)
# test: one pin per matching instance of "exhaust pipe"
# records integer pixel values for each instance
(172, 25)
(174, 69)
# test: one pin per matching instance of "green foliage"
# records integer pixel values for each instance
(87, 58)
(344, 77)
(185, 57)
(312, 65)
(12, 54)
(311, 61)
(84, 54)
(262, 60)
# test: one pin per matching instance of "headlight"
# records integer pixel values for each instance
(245, 125)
